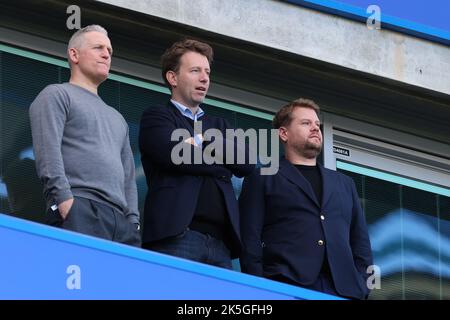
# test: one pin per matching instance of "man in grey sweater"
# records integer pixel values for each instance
(82, 148)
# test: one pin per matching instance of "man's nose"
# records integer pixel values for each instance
(105, 54)
(204, 77)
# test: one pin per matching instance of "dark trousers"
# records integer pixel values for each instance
(196, 246)
(97, 219)
(324, 283)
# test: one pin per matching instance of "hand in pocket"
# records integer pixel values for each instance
(64, 208)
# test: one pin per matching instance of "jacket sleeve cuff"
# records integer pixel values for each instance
(133, 218)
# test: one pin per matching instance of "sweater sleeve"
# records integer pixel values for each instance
(131, 195)
(48, 115)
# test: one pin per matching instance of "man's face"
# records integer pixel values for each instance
(191, 83)
(94, 56)
(303, 134)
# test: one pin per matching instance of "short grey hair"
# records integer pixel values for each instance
(76, 39)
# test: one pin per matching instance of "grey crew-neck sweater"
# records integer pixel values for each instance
(82, 148)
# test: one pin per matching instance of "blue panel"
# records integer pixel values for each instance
(37, 259)
(425, 19)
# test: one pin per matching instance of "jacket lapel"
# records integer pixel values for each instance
(327, 184)
(291, 173)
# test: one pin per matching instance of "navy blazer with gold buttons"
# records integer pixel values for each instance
(285, 229)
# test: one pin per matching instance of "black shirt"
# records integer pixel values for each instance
(312, 175)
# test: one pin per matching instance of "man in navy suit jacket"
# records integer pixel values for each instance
(190, 209)
(304, 225)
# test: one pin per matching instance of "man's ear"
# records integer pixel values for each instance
(171, 77)
(73, 55)
(282, 132)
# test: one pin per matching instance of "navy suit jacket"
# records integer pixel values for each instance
(173, 189)
(281, 227)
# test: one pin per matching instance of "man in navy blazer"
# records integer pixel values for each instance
(191, 210)
(304, 225)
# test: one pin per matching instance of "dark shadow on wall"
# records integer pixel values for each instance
(24, 190)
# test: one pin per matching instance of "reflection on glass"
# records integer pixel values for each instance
(410, 234)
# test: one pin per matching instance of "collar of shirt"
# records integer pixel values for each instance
(185, 111)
